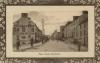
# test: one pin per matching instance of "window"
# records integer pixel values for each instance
(17, 29)
(23, 28)
(32, 29)
(29, 25)
(23, 37)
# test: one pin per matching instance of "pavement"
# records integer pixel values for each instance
(52, 46)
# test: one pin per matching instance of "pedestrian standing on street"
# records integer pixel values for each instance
(76, 41)
(42, 40)
(18, 44)
(31, 42)
(79, 45)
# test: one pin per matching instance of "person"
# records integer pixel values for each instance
(42, 40)
(79, 45)
(76, 41)
(31, 42)
(18, 44)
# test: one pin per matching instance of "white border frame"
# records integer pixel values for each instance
(11, 10)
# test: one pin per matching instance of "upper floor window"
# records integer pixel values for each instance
(17, 29)
(23, 28)
(32, 29)
(29, 25)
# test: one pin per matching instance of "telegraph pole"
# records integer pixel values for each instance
(43, 31)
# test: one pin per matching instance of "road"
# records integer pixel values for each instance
(52, 46)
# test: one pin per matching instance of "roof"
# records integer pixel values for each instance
(23, 20)
(69, 22)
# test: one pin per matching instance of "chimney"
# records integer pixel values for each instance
(85, 12)
(75, 17)
(24, 14)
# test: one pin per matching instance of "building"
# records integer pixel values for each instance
(56, 35)
(81, 28)
(68, 31)
(24, 29)
(84, 28)
(77, 29)
(74, 30)
(38, 34)
(62, 32)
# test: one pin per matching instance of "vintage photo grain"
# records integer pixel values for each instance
(46, 31)
(49, 31)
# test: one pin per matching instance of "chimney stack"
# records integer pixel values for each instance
(75, 17)
(85, 12)
(24, 14)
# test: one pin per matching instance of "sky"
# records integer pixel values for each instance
(52, 19)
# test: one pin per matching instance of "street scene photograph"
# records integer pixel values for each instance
(50, 31)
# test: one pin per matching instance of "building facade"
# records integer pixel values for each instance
(77, 29)
(68, 31)
(62, 32)
(24, 29)
(84, 28)
(56, 35)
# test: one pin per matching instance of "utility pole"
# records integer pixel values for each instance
(43, 31)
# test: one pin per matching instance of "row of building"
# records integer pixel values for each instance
(74, 30)
(25, 29)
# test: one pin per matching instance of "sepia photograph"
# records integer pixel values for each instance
(46, 31)
(49, 30)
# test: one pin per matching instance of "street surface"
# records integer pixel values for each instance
(51, 46)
